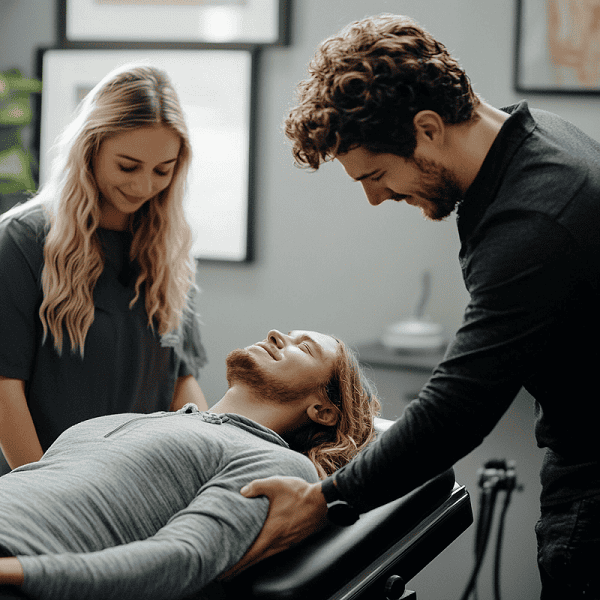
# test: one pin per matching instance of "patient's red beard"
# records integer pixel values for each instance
(243, 368)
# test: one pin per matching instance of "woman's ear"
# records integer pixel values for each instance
(323, 413)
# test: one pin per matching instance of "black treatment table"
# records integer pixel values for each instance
(370, 560)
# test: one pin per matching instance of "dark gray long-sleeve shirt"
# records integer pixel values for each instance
(140, 506)
(530, 256)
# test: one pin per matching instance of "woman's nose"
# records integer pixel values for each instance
(142, 185)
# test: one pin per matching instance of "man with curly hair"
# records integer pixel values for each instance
(147, 505)
(386, 100)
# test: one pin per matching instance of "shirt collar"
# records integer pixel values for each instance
(484, 188)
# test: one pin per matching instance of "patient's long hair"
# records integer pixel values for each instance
(355, 400)
(128, 98)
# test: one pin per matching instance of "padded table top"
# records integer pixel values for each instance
(399, 538)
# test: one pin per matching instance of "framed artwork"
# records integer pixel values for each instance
(216, 89)
(89, 23)
(558, 47)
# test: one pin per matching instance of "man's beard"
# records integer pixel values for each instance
(440, 189)
(243, 368)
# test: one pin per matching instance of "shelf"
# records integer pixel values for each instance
(375, 354)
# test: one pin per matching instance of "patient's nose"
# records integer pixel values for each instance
(276, 337)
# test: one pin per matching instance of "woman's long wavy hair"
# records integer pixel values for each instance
(355, 400)
(367, 83)
(128, 98)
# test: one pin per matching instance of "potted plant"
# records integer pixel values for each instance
(18, 168)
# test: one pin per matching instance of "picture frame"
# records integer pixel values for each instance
(557, 47)
(153, 23)
(217, 92)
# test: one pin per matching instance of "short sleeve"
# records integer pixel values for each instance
(21, 262)
(187, 342)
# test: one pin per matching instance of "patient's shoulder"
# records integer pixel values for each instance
(280, 461)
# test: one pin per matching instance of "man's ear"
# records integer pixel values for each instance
(429, 126)
(323, 413)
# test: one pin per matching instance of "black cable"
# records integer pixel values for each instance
(496, 475)
(499, 547)
(487, 502)
(510, 486)
(484, 524)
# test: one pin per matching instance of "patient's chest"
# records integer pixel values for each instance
(113, 480)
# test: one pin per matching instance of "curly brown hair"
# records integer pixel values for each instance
(367, 83)
(355, 398)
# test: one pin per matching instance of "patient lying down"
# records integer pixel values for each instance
(148, 506)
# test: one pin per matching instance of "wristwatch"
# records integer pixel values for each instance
(339, 512)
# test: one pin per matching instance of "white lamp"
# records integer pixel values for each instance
(416, 333)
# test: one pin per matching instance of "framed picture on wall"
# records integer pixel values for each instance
(143, 22)
(216, 91)
(558, 47)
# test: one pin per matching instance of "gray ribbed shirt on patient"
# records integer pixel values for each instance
(140, 506)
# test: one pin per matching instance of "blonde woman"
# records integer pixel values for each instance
(96, 279)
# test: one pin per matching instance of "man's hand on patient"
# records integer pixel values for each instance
(296, 510)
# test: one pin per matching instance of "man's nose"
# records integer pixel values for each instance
(375, 195)
(276, 337)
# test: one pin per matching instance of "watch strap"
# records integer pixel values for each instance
(339, 511)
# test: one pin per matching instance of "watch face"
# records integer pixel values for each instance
(341, 513)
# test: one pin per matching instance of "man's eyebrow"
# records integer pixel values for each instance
(137, 160)
(366, 175)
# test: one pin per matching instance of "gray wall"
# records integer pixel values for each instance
(325, 259)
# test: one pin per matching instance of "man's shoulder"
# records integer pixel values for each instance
(273, 458)
(557, 166)
(297, 463)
